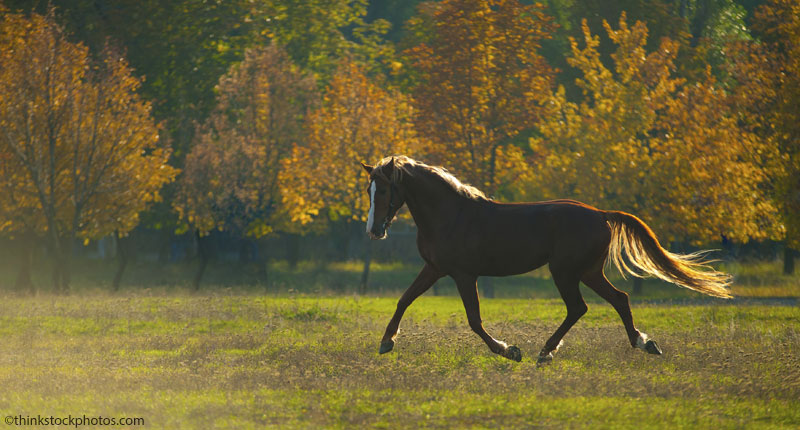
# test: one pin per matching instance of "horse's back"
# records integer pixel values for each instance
(520, 237)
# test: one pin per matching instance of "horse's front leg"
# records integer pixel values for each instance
(468, 289)
(427, 277)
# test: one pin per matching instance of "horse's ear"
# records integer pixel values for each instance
(368, 168)
(390, 167)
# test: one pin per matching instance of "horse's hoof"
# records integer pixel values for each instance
(386, 346)
(513, 353)
(652, 347)
(544, 359)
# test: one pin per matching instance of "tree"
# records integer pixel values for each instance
(357, 121)
(480, 85)
(663, 19)
(646, 142)
(231, 175)
(81, 146)
(20, 217)
(183, 47)
(770, 71)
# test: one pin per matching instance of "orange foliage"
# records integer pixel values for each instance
(231, 176)
(358, 121)
(481, 84)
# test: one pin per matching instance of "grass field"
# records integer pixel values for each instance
(242, 360)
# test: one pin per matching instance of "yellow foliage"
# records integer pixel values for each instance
(769, 73)
(646, 142)
(80, 152)
(357, 122)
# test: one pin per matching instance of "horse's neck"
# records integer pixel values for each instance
(432, 204)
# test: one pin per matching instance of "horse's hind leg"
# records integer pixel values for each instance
(427, 277)
(468, 289)
(576, 307)
(597, 281)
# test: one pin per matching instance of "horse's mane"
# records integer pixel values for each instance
(409, 166)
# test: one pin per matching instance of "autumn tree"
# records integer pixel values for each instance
(647, 142)
(231, 175)
(769, 77)
(20, 217)
(80, 150)
(183, 47)
(357, 121)
(480, 85)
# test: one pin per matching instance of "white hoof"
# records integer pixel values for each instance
(641, 341)
(547, 358)
(647, 344)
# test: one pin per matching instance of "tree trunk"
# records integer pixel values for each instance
(27, 248)
(56, 274)
(683, 8)
(264, 257)
(367, 262)
(122, 257)
(788, 260)
(164, 244)
(245, 251)
(202, 254)
(62, 253)
(342, 232)
(54, 248)
(66, 269)
(292, 250)
(637, 286)
(487, 285)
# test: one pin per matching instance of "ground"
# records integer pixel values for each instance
(233, 359)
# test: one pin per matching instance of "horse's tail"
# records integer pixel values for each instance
(633, 237)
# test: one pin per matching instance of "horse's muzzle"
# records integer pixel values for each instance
(374, 236)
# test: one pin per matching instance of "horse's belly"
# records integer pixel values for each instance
(501, 259)
(500, 265)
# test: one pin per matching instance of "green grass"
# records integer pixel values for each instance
(228, 359)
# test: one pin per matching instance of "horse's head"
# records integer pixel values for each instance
(385, 199)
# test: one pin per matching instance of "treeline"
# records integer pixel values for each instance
(251, 117)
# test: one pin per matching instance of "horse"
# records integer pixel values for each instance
(464, 235)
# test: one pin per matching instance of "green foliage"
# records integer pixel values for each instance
(318, 33)
(180, 47)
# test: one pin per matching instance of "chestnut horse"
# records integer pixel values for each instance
(463, 234)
